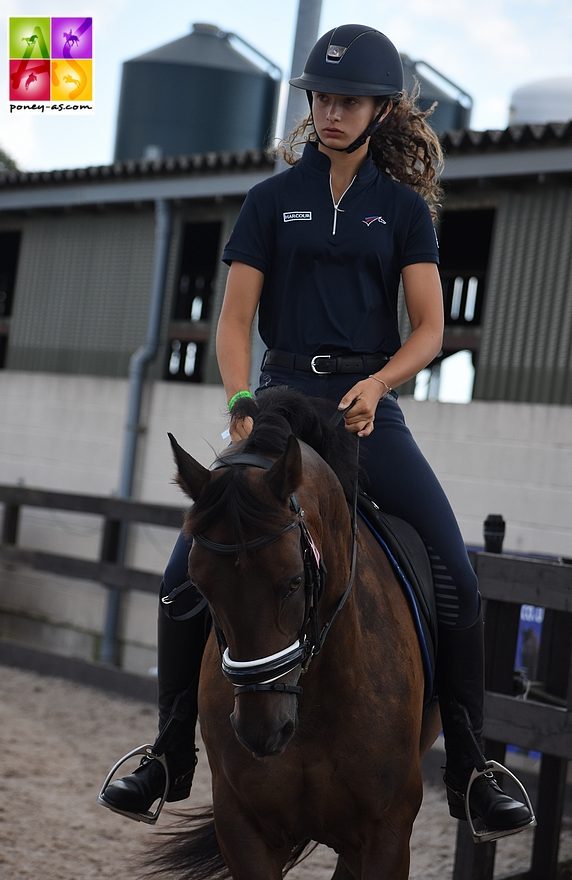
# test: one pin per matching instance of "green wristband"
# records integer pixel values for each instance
(237, 396)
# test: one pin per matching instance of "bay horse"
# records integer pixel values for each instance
(300, 752)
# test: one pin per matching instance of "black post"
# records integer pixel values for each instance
(477, 861)
(494, 528)
(110, 552)
(554, 670)
(10, 523)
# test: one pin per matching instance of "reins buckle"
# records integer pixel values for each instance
(149, 817)
(482, 835)
(315, 369)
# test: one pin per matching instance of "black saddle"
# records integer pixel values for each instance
(410, 561)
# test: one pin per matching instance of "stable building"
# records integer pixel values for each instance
(92, 259)
(77, 246)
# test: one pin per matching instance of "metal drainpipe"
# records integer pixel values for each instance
(137, 369)
(307, 25)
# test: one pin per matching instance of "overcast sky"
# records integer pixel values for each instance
(489, 48)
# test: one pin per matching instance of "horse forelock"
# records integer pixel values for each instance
(234, 498)
(231, 497)
(279, 412)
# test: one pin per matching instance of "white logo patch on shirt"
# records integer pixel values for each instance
(289, 216)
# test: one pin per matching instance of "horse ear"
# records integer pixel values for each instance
(285, 475)
(192, 477)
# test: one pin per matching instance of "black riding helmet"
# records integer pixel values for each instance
(353, 59)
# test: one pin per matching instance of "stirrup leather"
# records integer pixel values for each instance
(146, 751)
(484, 836)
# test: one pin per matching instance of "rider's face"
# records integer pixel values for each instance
(340, 119)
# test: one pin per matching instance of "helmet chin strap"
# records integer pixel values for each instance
(359, 141)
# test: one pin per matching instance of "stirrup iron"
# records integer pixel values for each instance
(146, 751)
(484, 836)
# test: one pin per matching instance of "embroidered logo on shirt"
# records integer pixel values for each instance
(369, 220)
(289, 216)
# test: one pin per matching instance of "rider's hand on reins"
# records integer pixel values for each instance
(360, 415)
(240, 428)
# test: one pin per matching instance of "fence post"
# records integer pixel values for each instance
(554, 669)
(477, 861)
(10, 524)
(110, 552)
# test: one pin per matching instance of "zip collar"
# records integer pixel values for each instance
(314, 160)
(337, 209)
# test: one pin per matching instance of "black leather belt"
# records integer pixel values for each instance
(323, 364)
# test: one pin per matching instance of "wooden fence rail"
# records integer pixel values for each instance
(113, 512)
(506, 583)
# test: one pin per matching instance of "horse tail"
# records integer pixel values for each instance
(190, 849)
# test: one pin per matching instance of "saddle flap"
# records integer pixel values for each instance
(410, 561)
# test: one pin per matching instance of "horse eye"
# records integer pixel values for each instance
(295, 584)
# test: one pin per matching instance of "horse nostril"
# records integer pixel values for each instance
(287, 731)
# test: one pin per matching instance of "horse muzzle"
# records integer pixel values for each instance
(264, 726)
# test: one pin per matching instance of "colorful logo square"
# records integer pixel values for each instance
(29, 38)
(72, 80)
(72, 38)
(30, 80)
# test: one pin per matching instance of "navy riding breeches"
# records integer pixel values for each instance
(402, 483)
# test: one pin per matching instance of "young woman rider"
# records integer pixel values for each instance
(321, 250)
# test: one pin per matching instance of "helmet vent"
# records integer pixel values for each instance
(335, 53)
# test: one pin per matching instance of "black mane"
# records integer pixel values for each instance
(277, 413)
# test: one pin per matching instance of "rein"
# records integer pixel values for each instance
(261, 675)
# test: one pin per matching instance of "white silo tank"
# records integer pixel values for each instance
(546, 100)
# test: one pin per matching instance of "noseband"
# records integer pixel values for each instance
(261, 675)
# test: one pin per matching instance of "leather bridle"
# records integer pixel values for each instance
(263, 674)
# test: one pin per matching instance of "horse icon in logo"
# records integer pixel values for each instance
(369, 220)
(71, 38)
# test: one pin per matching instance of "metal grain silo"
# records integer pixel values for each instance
(454, 105)
(546, 100)
(195, 95)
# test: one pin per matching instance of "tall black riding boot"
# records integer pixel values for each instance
(460, 678)
(180, 650)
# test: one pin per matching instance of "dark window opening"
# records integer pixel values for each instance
(9, 253)
(190, 326)
(464, 253)
(465, 244)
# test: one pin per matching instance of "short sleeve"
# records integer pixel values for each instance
(251, 240)
(420, 245)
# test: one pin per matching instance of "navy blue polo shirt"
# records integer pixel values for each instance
(331, 282)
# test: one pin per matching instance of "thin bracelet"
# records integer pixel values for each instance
(237, 396)
(388, 388)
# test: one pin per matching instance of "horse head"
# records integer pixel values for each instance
(254, 551)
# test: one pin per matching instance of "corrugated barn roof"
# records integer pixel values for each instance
(455, 143)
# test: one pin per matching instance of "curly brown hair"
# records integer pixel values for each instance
(403, 146)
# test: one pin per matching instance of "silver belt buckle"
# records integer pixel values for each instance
(313, 365)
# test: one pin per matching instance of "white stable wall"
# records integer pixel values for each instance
(66, 433)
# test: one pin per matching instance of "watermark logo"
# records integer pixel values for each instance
(50, 65)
